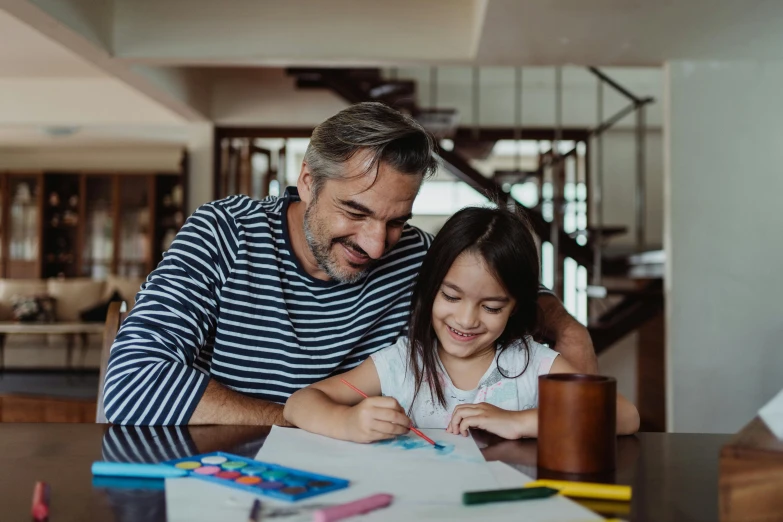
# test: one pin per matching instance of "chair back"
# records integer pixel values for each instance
(114, 318)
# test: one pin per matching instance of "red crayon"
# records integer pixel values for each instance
(41, 501)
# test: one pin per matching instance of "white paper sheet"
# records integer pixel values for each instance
(772, 415)
(404, 468)
(426, 485)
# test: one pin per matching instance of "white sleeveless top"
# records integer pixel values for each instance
(515, 394)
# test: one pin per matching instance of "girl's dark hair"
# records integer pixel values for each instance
(505, 242)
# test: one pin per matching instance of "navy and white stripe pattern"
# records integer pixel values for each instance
(147, 444)
(231, 302)
(153, 444)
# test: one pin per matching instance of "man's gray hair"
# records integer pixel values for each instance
(392, 138)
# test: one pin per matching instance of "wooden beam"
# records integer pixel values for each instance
(41, 200)
(651, 374)
(82, 225)
(116, 217)
(5, 201)
(152, 200)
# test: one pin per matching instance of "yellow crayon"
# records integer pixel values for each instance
(585, 489)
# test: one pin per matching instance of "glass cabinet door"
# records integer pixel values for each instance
(134, 223)
(24, 226)
(61, 225)
(3, 191)
(98, 248)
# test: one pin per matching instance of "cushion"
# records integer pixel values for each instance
(127, 287)
(33, 308)
(99, 312)
(17, 287)
(74, 295)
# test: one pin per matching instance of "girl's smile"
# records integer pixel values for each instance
(461, 336)
(471, 309)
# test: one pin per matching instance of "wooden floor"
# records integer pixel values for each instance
(28, 408)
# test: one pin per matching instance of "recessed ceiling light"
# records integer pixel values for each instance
(60, 130)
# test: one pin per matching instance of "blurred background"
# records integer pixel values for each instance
(642, 137)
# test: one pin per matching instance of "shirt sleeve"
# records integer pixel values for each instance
(542, 290)
(156, 373)
(541, 358)
(391, 364)
(540, 361)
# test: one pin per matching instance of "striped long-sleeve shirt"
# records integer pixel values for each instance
(231, 302)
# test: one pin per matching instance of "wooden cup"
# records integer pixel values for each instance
(577, 423)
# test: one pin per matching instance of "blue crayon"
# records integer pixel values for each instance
(132, 469)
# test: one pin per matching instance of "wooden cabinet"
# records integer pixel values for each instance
(22, 207)
(97, 254)
(65, 224)
(134, 238)
(61, 225)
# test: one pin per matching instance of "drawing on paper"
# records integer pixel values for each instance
(409, 442)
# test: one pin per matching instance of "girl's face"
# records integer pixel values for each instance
(471, 309)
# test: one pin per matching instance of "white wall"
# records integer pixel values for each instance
(619, 361)
(723, 228)
(134, 158)
(77, 101)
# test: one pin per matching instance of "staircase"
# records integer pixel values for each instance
(634, 308)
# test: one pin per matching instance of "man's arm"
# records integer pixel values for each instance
(157, 373)
(220, 405)
(569, 336)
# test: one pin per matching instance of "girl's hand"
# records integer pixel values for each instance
(375, 418)
(504, 423)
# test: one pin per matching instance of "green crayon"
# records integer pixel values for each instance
(504, 495)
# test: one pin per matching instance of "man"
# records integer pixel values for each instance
(256, 299)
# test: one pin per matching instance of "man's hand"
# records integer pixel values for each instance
(568, 335)
(485, 416)
(375, 418)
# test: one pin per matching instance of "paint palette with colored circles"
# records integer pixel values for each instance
(258, 477)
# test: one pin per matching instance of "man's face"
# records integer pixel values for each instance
(353, 221)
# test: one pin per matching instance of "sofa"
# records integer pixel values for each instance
(71, 296)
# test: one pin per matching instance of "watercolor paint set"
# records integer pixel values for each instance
(257, 477)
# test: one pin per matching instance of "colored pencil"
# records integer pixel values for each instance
(414, 430)
(41, 501)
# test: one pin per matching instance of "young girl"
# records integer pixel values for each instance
(468, 360)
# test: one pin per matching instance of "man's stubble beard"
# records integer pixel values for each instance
(322, 249)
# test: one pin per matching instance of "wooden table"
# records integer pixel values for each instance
(674, 476)
(70, 330)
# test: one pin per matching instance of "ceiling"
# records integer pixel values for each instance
(151, 63)
(26, 53)
(485, 32)
(629, 32)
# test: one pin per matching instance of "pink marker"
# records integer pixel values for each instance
(357, 507)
